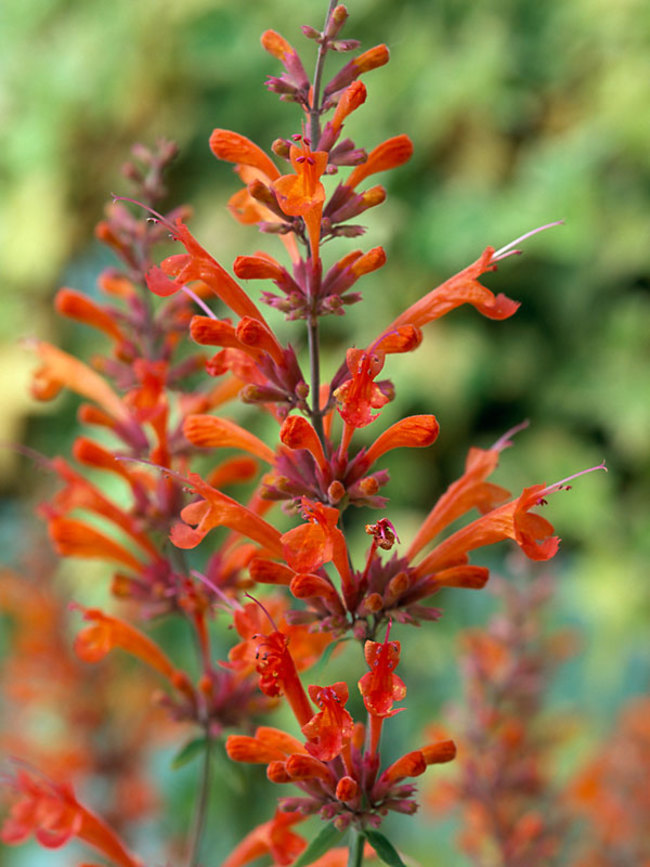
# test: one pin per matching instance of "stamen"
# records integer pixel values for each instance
(504, 441)
(257, 602)
(506, 251)
(201, 303)
(230, 603)
(562, 484)
(158, 218)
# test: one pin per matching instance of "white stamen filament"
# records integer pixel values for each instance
(508, 250)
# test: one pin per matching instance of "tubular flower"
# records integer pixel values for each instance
(360, 394)
(215, 510)
(310, 545)
(198, 264)
(329, 729)
(209, 431)
(254, 168)
(278, 674)
(368, 60)
(462, 288)
(415, 431)
(94, 642)
(274, 838)
(302, 194)
(306, 647)
(380, 687)
(268, 745)
(390, 154)
(73, 538)
(59, 370)
(470, 491)
(294, 83)
(512, 520)
(81, 308)
(52, 813)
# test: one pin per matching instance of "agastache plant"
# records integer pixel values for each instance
(159, 397)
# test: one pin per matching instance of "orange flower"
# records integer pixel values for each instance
(236, 148)
(216, 510)
(302, 194)
(328, 730)
(273, 838)
(59, 369)
(297, 433)
(209, 431)
(105, 633)
(279, 676)
(389, 154)
(415, 431)
(470, 491)
(52, 813)
(511, 521)
(462, 288)
(359, 395)
(268, 745)
(75, 539)
(80, 307)
(198, 264)
(380, 687)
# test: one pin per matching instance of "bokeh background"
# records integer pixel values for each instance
(520, 113)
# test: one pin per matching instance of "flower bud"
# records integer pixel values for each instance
(276, 772)
(440, 753)
(347, 789)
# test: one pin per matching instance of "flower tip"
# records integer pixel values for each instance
(505, 440)
(509, 249)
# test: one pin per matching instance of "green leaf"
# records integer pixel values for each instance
(188, 752)
(384, 848)
(321, 844)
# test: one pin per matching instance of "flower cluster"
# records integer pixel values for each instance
(160, 403)
(511, 810)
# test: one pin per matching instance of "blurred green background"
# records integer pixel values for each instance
(520, 113)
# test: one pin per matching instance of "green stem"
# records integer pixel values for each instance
(356, 850)
(314, 134)
(314, 372)
(314, 110)
(201, 805)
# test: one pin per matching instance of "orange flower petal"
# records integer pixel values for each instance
(235, 148)
(209, 431)
(416, 431)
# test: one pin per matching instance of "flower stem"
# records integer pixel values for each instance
(201, 804)
(314, 134)
(356, 850)
(314, 110)
(314, 375)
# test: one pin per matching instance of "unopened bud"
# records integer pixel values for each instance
(372, 59)
(205, 685)
(336, 21)
(281, 148)
(369, 486)
(347, 789)
(437, 754)
(373, 602)
(310, 32)
(345, 45)
(261, 193)
(335, 492)
(276, 772)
